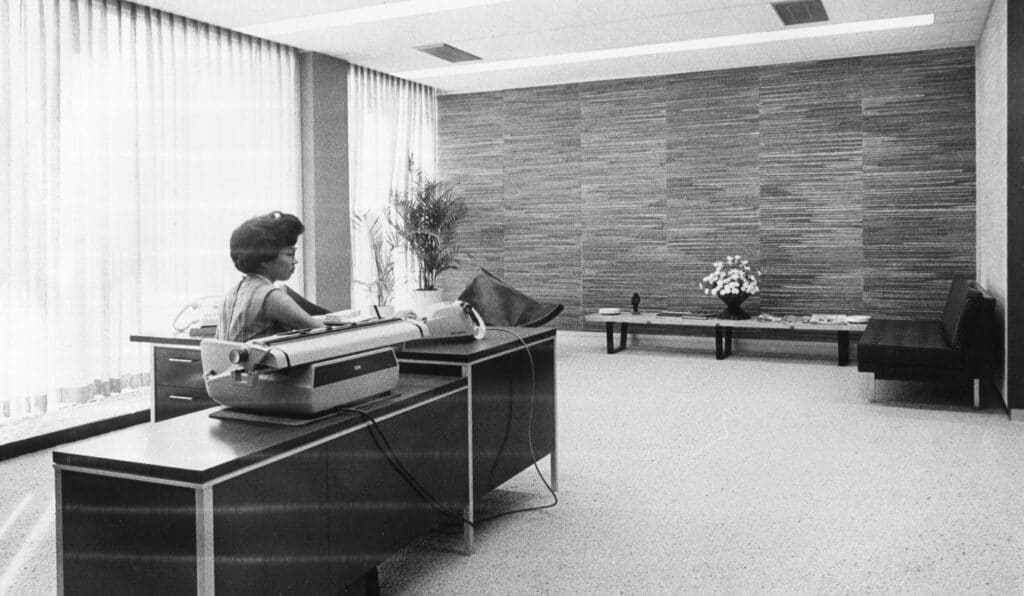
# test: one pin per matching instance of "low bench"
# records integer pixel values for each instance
(723, 329)
(956, 347)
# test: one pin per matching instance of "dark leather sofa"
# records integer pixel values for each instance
(955, 348)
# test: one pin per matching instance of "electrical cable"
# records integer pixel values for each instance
(382, 443)
(529, 438)
(385, 447)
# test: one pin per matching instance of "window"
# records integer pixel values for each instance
(135, 142)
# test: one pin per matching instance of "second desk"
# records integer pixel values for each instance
(512, 401)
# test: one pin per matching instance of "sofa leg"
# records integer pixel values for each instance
(977, 394)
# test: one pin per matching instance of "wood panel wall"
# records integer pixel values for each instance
(849, 183)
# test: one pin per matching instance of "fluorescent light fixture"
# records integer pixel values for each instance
(366, 14)
(674, 47)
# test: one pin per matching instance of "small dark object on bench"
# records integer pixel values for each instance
(957, 347)
(501, 304)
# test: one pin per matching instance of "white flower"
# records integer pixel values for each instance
(732, 275)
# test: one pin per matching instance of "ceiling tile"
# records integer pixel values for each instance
(520, 28)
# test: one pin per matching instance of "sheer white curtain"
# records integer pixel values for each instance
(137, 141)
(390, 119)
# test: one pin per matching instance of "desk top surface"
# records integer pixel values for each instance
(166, 338)
(652, 318)
(498, 339)
(196, 448)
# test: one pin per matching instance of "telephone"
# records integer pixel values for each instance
(204, 311)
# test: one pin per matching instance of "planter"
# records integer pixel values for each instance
(732, 306)
(423, 298)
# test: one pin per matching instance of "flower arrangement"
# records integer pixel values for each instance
(733, 275)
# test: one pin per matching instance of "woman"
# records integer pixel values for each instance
(263, 248)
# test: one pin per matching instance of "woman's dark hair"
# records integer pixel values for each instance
(259, 239)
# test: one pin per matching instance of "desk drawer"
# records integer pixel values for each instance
(180, 367)
(175, 401)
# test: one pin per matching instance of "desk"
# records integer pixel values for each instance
(500, 406)
(723, 329)
(178, 386)
(196, 505)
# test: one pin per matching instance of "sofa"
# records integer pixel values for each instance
(956, 347)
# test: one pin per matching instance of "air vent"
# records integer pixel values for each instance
(800, 12)
(448, 53)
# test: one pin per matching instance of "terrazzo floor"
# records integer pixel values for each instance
(680, 474)
(760, 474)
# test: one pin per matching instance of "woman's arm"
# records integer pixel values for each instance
(281, 308)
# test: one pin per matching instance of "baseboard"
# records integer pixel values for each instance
(75, 433)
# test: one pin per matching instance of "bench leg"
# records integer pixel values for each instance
(609, 329)
(977, 394)
(719, 343)
(844, 348)
(728, 341)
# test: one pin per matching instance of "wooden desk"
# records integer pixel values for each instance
(196, 505)
(723, 329)
(512, 414)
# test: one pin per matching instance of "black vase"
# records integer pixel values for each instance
(732, 306)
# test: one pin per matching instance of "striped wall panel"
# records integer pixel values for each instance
(811, 189)
(543, 227)
(849, 182)
(713, 147)
(919, 184)
(473, 158)
(622, 139)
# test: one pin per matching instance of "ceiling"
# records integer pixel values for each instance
(504, 30)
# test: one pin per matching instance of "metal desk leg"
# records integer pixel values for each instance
(844, 348)
(467, 529)
(469, 511)
(554, 424)
(609, 329)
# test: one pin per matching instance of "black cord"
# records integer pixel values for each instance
(504, 439)
(529, 438)
(385, 447)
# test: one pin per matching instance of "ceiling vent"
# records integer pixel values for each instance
(448, 53)
(800, 12)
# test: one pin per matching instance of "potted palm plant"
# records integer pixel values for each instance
(383, 242)
(426, 215)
